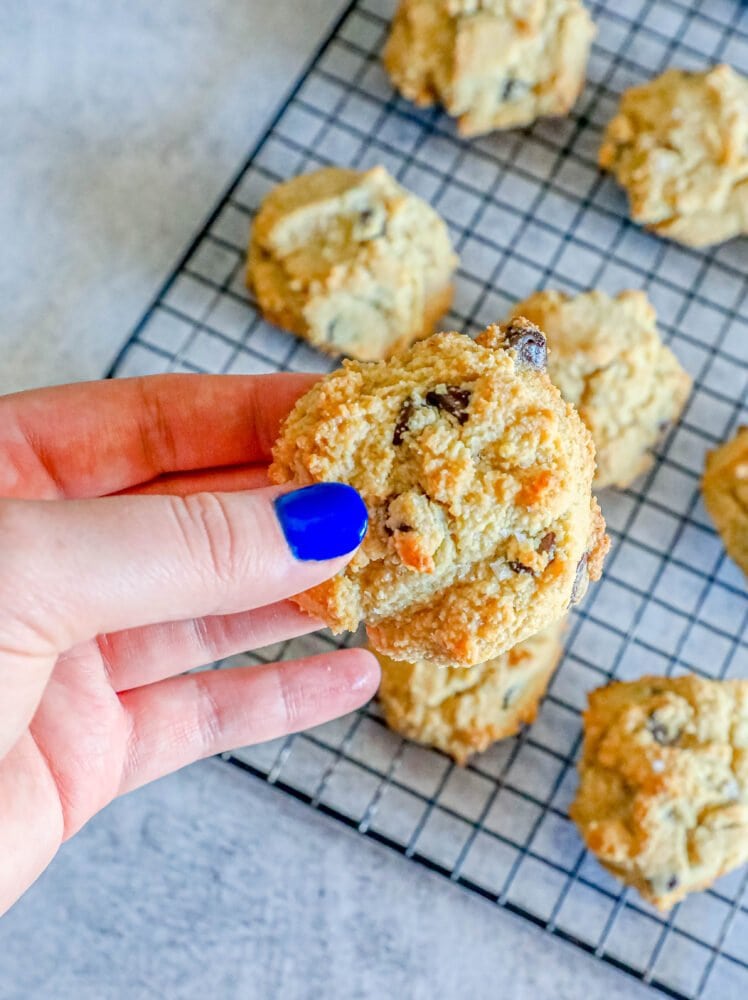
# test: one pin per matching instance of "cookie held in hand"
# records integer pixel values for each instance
(477, 479)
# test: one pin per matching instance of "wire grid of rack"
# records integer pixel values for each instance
(527, 209)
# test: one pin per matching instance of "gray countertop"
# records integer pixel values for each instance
(121, 124)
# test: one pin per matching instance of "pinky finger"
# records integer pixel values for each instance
(180, 720)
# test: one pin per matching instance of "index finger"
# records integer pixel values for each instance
(95, 438)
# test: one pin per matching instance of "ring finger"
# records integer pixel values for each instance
(145, 655)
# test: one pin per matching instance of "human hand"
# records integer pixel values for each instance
(128, 557)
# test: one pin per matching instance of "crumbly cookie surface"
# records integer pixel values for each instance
(663, 799)
(606, 356)
(463, 711)
(725, 489)
(476, 476)
(679, 145)
(493, 64)
(351, 261)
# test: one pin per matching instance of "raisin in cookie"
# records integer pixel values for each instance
(477, 478)
(492, 63)
(725, 488)
(606, 357)
(351, 261)
(679, 145)
(462, 711)
(663, 800)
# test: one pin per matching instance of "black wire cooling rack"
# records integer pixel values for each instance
(527, 209)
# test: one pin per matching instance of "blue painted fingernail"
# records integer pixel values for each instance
(322, 521)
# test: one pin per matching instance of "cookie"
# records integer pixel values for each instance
(663, 796)
(492, 64)
(679, 145)
(351, 261)
(725, 488)
(462, 711)
(606, 357)
(477, 479)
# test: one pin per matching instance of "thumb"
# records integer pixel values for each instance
(73, 569)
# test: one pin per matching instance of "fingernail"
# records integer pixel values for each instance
(322, 521)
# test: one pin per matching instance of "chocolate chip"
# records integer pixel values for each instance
(366, 217)
(402, 528)
(332, 327)
(514, 89)
(452, 399)
(548, 543)
(518, 567)
(663, 883)
(406, 412)
(659, 734)
(528, 341)
(659, 731)
(509, 697)
(577, 591)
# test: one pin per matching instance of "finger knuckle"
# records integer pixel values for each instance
(294, 705)
(210, 535)
(210, 717)
(203, 635)
(157, 439)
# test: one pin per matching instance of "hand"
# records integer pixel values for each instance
(104, 601)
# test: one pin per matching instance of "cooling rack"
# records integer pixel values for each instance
(527, 209)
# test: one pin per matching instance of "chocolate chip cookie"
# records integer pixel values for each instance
(493, 64)
(679, 145)
(351, 261)
(663, 798)
(462, 711)
(606, 357)
(477, 479)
